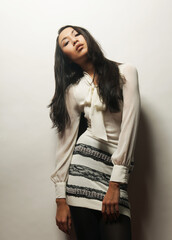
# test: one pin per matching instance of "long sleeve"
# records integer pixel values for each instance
(65, 145)
(124, 153)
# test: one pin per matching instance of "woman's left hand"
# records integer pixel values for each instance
(110, 207)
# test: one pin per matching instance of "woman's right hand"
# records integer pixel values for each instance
(63, 216)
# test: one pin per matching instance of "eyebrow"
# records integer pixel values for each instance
(66, 37)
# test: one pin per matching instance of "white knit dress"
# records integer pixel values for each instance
(105, 151)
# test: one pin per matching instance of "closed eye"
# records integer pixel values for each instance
(66, 44)
(68, 41)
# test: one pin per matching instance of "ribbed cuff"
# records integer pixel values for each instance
(119, 174)
(60, 190)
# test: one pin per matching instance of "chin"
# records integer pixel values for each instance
(84, 51)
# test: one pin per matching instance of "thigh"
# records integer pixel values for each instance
(119, 230)
(86, 223)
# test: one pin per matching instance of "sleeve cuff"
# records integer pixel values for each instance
(60, 190)
(119, 174)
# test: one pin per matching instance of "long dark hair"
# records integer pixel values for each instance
(67, 72)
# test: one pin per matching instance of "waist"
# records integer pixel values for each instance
(88, 138)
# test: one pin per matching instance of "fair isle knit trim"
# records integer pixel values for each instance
(97, 154)
(94, 153)
(85, 192)
(91, 193)
(89, 173)
(92, 174)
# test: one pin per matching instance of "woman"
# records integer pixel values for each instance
(92, 168)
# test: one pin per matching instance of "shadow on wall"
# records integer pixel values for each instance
(139, 183)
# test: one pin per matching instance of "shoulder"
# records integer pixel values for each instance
(130, 73)
(79, 90)
(75, 95)
(70, 93)
(128, 68)
(69, 90)
(77, 86)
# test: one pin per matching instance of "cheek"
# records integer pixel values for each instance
(82, 39)
(70, 52)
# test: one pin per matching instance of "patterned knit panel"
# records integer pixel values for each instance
(87, 152)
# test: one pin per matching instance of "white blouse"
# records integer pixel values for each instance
(118, 129)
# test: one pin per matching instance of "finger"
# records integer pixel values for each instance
(69, 223)
(112, 209)
(104, 212)
(117, 210)
(116, 207)
(103, 208)
(108, 213)
(63, 226)
(62, 229)
(113, 214)
(117, 215)
(108, 209)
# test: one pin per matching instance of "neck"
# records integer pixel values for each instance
(89, 68)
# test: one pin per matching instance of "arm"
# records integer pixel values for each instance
(65, 145)
(122, 157)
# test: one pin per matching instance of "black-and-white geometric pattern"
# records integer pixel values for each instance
(94, 153)
(91, 193)
(92, 174)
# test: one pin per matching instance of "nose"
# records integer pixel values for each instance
(74, 41)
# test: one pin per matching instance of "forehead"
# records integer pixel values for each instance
(65, 33)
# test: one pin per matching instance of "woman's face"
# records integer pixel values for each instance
(73, 44)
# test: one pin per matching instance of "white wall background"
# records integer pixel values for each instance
(132, 31)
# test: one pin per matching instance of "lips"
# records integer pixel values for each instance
(77, 46)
